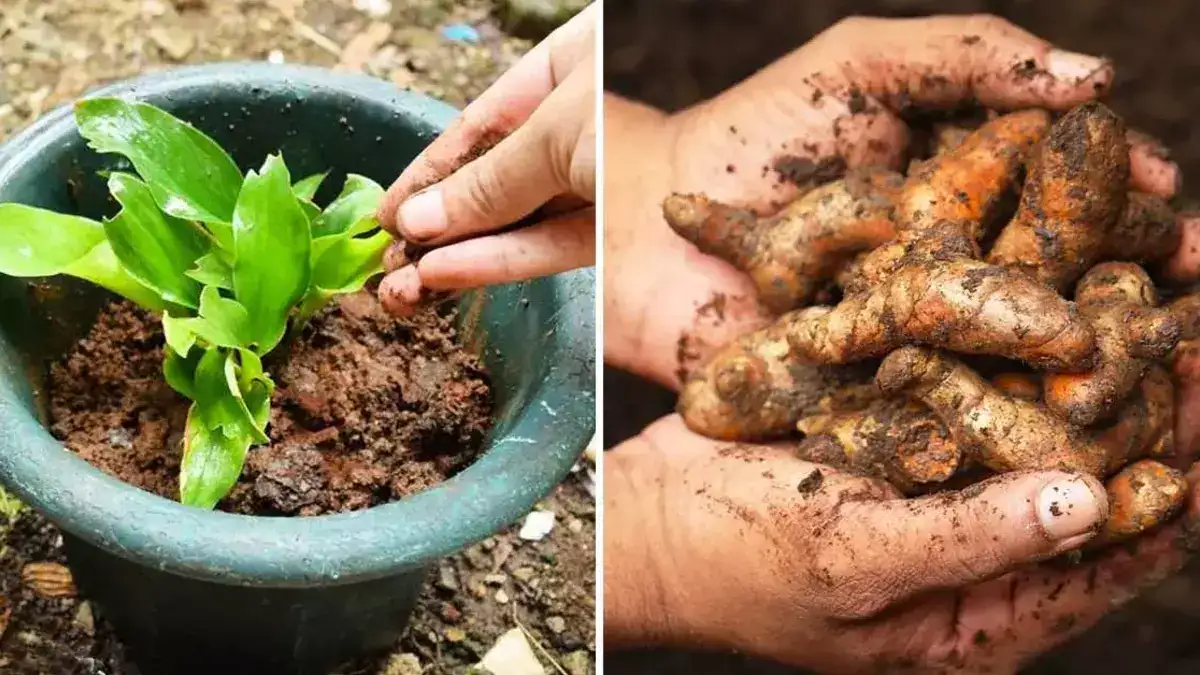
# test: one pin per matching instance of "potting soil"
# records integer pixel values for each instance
(367, 409)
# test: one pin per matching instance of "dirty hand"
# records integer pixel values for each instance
(834, 103)
(749, 549)
(527, 142)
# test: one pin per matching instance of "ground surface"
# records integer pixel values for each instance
(663, 53)
(54, 50)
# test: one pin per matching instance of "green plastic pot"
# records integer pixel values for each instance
(198, 591)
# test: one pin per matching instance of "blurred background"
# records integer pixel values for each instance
(673, 53)
(537, 589)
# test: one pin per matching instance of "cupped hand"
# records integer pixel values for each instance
(751, 549)
(835, 102)
(526, 144)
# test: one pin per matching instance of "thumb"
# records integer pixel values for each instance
(907, 547)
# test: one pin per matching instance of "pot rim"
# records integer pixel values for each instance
(512, 473)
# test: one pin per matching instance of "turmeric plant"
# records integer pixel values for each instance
(229, 260)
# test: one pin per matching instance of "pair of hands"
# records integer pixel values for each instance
(748, 548)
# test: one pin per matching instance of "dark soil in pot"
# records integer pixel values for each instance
(367, 409)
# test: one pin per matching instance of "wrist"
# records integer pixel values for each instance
(637, 610)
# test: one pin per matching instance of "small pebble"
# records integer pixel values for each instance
(450, 613)
(85, 619)
(447, 579)
(578, 663)
(556, 624)
(537, 525)
(402, 664)
(478, 559)
(502, 597)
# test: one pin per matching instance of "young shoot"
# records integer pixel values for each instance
(229, 260)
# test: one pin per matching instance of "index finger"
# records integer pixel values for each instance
(506, 105)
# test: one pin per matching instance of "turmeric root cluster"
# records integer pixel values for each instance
(997, 312)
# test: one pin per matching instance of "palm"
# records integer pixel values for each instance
(794, 560)
(729, 151)
(831, 102)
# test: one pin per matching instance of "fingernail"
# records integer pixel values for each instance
(1072, 66)
(423, 216)
(1069, 507)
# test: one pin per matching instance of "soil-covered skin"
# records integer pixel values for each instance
(662, 53)
(367, 409)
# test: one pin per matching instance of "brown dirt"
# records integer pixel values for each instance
(47, 635)
(367, 409)
(478, 594)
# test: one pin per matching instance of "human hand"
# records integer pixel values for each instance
(527, 142)
(836, 99)
(749, 548)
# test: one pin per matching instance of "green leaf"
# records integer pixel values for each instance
(344, 266)
(306, 188)
(311, 210)
(212, 462)
(230, 413)
(257, 387)
(252, 388)
(222, 323)
(155, 248)
(347, 265)
(359, 199)
(190, 176)
(179, 334)
(180, 372)
(102, 268)
(212, 270)
(272, 246)
(39, 243)
(220, 397)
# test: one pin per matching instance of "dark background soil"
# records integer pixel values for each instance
(673, 53)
